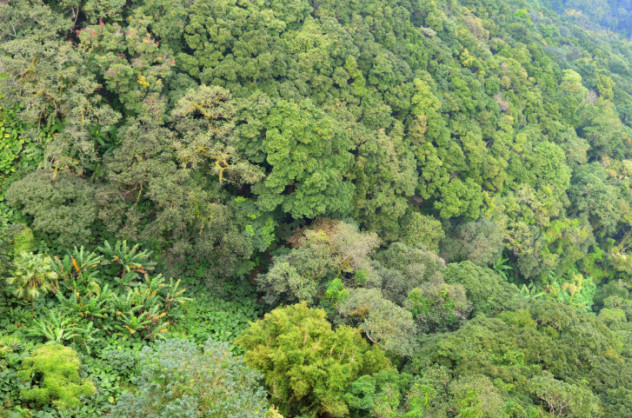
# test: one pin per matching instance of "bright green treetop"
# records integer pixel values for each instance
(307, 365)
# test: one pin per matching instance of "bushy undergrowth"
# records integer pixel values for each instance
(176, 379)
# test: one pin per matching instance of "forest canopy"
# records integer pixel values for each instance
(370, 208)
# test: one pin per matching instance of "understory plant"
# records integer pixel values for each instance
(51, 374)
(177, 379)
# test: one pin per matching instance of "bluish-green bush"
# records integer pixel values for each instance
(177, 379)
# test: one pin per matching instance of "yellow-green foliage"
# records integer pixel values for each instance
(308, 367)
(53, 372)
(24, 241)
(32, 276)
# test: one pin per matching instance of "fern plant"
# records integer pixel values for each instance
(95, 301)
(89, 306)
(127, 259)
(78, 265)
(33, 275)
(503, 268)
(577, 292)
(54, 328)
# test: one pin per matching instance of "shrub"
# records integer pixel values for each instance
(178, 380)
(52, 374)
(110, 291)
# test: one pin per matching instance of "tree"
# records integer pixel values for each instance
(476, 396)
(328, 251)
(460, 198)
(380, 395)
(485, 289)
(564, 399)
(95, 10)
(422, 230)
(546, 336)
(191, 215)
(437, 306)
(383, 322)
(549, 167)
(205, 119)
(479, 242)
(59, 90)
(402, 268)
(307, 152)
(593, 196)
(62, 205)
(255, 56)
(385, 179)
(308, 367)
(132, 64)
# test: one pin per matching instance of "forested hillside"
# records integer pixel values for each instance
(315, 208)
(612, 15)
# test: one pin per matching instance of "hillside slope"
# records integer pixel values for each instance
(453, 179)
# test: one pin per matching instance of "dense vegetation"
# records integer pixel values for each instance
(612, 15)
(315, 208)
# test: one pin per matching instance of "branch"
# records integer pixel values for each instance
(371, 339)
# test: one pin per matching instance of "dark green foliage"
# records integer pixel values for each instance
(177, 380)
(62, 206)
(479, 242)
(575, 348)
(487, 292)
